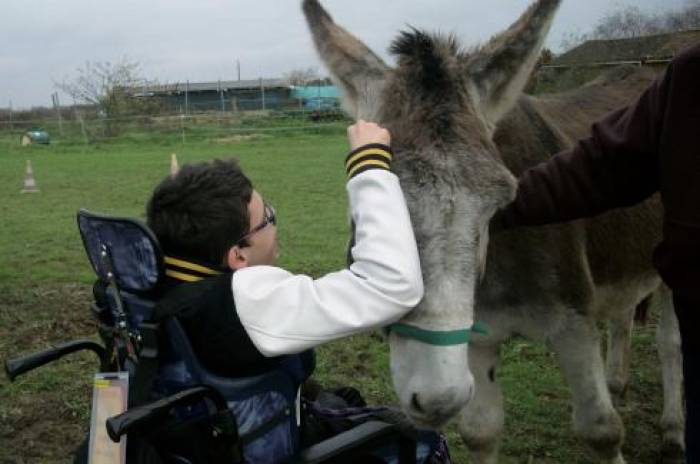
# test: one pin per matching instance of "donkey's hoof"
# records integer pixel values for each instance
(672, 453)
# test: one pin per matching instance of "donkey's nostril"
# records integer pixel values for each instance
(415, 404)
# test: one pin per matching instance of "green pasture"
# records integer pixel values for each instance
(45, 283)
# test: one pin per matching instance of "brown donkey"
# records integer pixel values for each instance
(461, 129)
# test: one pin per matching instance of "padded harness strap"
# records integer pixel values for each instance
(147, 367)
(175, 302)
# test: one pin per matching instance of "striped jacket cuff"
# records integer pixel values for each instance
(373, 156)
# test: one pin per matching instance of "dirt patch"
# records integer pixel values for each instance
(240, 138)
(44, 413)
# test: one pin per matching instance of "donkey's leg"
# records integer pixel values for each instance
(595, 419)
(481, 421)
(617, 361)
(669, 345)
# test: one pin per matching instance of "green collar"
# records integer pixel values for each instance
(438, 337)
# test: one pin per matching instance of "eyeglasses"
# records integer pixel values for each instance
(269, 218)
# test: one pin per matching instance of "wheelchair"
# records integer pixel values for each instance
(180, 412)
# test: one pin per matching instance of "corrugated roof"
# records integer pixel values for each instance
(181, 87)
(652, 47)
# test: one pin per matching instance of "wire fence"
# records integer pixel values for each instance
(87, 125)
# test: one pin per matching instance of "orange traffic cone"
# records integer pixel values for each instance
(29, 182)
(174, 167)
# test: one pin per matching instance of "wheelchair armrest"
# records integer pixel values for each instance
(139, 417)
(366, 436)
(18, 366)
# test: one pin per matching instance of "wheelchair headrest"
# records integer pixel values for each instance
(133, 250)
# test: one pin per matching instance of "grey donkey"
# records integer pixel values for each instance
(462, 129)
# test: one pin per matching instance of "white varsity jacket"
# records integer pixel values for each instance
(285, 313)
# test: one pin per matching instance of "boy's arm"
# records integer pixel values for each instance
(285, 313)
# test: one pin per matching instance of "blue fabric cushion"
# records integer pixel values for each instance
(132, 248)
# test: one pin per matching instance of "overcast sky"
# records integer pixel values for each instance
(200, 40)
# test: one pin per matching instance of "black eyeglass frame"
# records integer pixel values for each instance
(270, 218)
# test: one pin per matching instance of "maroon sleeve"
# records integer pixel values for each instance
(618, 165)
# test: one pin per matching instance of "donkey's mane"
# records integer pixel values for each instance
(427, 54)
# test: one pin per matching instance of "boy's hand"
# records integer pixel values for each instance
(363, 133)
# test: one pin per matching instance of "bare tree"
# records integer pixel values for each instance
(630, 22)
(109, 87)
(626, 23)
(686, 18)
(301, 76)
(106, 85)
(546, 57)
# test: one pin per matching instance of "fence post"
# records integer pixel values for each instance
(57, 107)
(182, 125)
(221, 98)
(12, 124)
(80, 119)
(318, 103)
(262, 91)
(187, 97)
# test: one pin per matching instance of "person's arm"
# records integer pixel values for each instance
(285, 313)
(616, 166)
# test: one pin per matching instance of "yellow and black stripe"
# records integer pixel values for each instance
(373, 156)
(187, 271)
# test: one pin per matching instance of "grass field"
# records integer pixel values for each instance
(45, 279)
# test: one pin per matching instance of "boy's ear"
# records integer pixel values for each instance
(236, 258)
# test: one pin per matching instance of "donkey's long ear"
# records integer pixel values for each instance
(502, 67)
(359, 73)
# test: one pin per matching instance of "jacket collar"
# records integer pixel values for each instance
(189, 270)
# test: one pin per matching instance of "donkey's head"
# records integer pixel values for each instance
(441, 105)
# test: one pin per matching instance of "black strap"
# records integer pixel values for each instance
(147, 368)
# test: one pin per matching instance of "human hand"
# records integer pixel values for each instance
(363, 133)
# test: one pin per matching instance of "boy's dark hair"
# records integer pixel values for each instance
(202, 211)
